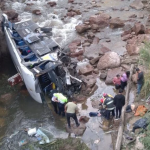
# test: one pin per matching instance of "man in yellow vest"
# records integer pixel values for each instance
(61, 100)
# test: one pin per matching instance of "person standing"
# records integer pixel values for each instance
(61, 100)
(109, 106)
(117, 81)
(71, 109)
(119, 102)
(140, 80)
(124, 79)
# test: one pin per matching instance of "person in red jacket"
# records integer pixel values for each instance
(117, 81)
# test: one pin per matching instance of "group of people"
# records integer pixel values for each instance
(61, 107)
(113, 105)
(120, 82)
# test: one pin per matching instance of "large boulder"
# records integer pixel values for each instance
(132, 49)
(112, 73)
(139, 28)
(137, 4)
(102, 20)
(109, 60)
(82, 28)
(116, 23)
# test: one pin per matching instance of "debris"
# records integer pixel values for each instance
(96, 141)
(14, 134)
(23, 142)
(31, 132)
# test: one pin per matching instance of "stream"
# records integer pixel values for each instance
(19, 111)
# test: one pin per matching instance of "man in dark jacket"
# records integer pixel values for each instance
(109, 106)
(119, 101)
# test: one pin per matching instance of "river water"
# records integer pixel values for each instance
(18, 110)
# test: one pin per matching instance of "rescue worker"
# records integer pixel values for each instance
(71, 109)
(61, 100)
(108, 105)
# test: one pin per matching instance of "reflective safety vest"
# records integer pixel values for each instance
(61, 98)
(109, 103)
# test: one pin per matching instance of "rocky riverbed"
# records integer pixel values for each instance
(103, 37)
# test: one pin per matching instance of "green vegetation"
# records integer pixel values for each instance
(145, 62)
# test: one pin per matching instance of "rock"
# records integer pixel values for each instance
(12, 15)
(76, 53)
(70, 1)
(93, 51)
(134, 78)
(89, 80)
(84, 119)
(127, 30)
(36, 12)
(130, 60)
(71, 14)
(74, 45)
(126, 37)
(137, 4)
(86, 44)
(103, 75)
(139, 28)
(96, 71)
(133, 16)
(90, 35)
(80, 130)
(112, 73)
(105, 50)
(95, 40)
(102, 20)
(125, 67)
(126, 8)
(109, 60)
(138, 143)
(80, 98)
(116, 23)
(132, 49)
(94, 60)
(84, 68)
(82, 28)
(141, 16)
(95, 26)
(51, 3)
(6, 98)
(95, 103)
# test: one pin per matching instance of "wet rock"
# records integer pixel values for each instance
(86, 44)
(80, 130)
(93, 51)
(82, 28)
(133, 16)
(112, 73)
(85, 68)
(95, 26)
(116, 23)
(96, 71)
(76, 53)
(95, 103)
(37, 12)
(94, 60)
(102, 20)
(52, 4)
(95, 40)
(80, 98)
(103, 75)
(84, 119)
(74, 45)
(139, 28)
(105, 50)
(127, 30)
(109, 60)
(70, 1)
(126, 37)
(134, 78)
(6, 97)
(71, 14)
(137, 4)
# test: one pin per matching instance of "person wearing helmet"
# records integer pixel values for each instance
(108, 105)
